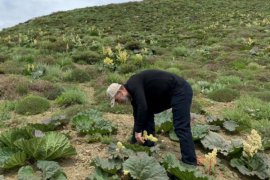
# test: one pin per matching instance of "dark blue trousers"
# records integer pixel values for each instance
(181, 104)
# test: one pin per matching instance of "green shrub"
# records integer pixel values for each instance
(238, 64)
(57, 46)
(22, 88)
(11, 67)
(115, 78)
(49, 60)
(71, 97)
(181, 51)
(174, 70)
(3, 58)
(88, 57)
(229, 80)
(32, 105)
(224, 95)
(65, 62)
(264, 95)
(196, 107)
(46, 89)
(249, 112)
(133, 45)
(127, 68)
(78, 75)
(53, 73)
(26, 58)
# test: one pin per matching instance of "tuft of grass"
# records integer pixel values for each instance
(87, 57)
(181, 51)
(250, 112)
(78, 75)
(71, 97)
(224, 95)
(31, 105)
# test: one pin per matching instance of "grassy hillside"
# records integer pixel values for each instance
(69, 58)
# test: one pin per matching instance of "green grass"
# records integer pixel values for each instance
(250, 112)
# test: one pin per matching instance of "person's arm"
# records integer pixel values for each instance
(140, 109)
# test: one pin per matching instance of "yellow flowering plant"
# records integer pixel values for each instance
(252, 144)
(209, 161)
(149, 137)
(122, 56)
(107, 51)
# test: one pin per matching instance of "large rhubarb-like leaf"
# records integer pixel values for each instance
(142, 166)
(26, 173)
(215, 140)
(108, 165)
(51, 170)
(163, 121)
(181, 171)
(230, 126)
(101, 175)
(10, 158)
(258, 165)
(91, 122)
(215, 120)
(49, 147)
(199, 131)
(8, 138)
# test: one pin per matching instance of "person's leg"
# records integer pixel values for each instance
(181, 103)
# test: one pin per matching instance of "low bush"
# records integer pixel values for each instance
(32, 105)
(88, 57)
(181, 51)
(224, 95)
(71, 97)
(78, 75)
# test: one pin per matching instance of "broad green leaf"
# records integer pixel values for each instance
(51, 170)
(215, 120)
(259, 165)
(142, 166)
(215, 140)
(173, 136)
(9, 158)
(9, 137)
(163, 121)
(199, 131)
(121, 154)
(266, 143)
(230, 126)
(101, 175)
(92, 122)
(137, 148)
(181, 171)
(49, 147)
(27, 173)
(108, 165)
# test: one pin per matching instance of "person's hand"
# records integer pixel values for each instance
(139, 137)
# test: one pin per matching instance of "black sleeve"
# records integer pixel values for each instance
(140, 108)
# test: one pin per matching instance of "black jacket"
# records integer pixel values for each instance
(151, 92)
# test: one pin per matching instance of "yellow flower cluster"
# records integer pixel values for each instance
(120, 146)
(107, 51)
(126, 172)
(250, 41)
(252, 144)
(211, 158)
(149, 137)
(122, 56)
(30, 67)
(108, 61)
